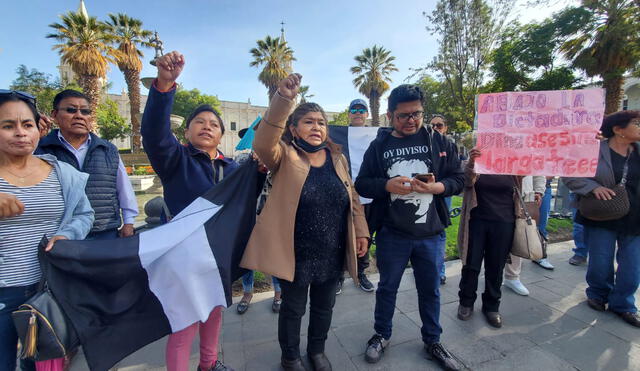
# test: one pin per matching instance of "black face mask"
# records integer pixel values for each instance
(307, 147)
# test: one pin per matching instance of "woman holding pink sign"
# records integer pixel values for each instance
(609, 209)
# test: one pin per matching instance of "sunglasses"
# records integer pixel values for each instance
(438, 125)
(72, 110)
(361, 111)
(19, 94)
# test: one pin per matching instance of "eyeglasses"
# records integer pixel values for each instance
(438, 125)
(417, 115)
(635, 122)
(361, 111)
(72, 110)
(19, 94)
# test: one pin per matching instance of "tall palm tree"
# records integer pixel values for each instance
(304, 93)
(276, 56)
(127, 33)
(85, 46)
(603, 39)
(373, 68)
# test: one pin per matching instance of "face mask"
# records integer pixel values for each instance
(309, 148)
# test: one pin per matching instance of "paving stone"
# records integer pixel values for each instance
(408, 356)
(529, 359)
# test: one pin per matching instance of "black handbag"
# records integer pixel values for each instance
(615, 208)
(44, 330)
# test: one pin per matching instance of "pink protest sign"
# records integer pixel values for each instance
(539, 132)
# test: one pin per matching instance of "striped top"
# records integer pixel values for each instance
(20, 235)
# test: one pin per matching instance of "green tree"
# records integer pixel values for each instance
(41, 85)
(438, 100)
(341, 119)
(467, 31)
(372, 72)
(276, 57)
(527, 59)
(603, 39)
(304, 93)
(186, 102)
(127, 33)
(110, 124)
(86, 46)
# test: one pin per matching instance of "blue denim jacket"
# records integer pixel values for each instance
(77, 218)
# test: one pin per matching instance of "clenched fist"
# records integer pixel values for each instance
(10, 206)
(169, 68)
(289, 86)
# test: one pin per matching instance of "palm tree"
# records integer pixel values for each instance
(603, 39)
(304, 93)
(372, 80)
(85, 46)
(276, 56)
(129, 35)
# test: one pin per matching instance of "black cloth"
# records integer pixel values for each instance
(495, 198)
(413, 215)
(321, 226)
(373, 177)
(489, 241)
(630, 223)
(294, 303)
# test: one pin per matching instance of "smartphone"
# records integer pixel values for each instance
(428, 177)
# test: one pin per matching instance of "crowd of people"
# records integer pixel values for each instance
(67, 183)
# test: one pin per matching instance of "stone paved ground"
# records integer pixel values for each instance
(551, 329)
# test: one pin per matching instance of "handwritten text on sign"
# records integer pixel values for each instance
(539, 132)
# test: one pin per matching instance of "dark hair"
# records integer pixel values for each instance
(405, 93)
(437, 115)
(68, 93)
(620, 119)
(205, 108)
(297, 114)
(16, 98)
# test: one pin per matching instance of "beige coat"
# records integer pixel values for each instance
(270, 248)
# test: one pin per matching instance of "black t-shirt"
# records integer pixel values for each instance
(413, 215)
(629, 224)
(495, 198)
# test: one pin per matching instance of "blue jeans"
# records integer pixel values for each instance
(10, 299)
(581, 248)
(393, 253)
(617, 288)
(447, 201)
(545, 207)
(247, 282)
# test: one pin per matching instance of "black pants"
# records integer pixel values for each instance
(489, 240)
(294, 303)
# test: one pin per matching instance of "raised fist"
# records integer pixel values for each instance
(169, 68)
(289, 86)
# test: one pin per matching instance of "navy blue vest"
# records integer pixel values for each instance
(101, 163)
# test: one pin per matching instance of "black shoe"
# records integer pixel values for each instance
(439, 353)
(596, 304)
(339, 288)
(320, 362)
(243, 306)
(292, 364)
(375, 348)
(578, 260)
(275, 307)
(493, 318)
(365, 284)
(464, 313)
(443, 280)
(219, 366)
(629, 317)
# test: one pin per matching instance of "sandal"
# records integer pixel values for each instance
(275, 307)
(243, 306)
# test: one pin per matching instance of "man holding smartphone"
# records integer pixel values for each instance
(408, 171)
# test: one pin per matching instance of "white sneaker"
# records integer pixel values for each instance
(516, 286)
(544, 263)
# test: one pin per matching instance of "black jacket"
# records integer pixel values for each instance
(372, 179)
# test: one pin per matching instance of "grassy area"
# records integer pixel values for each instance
(451, 251)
